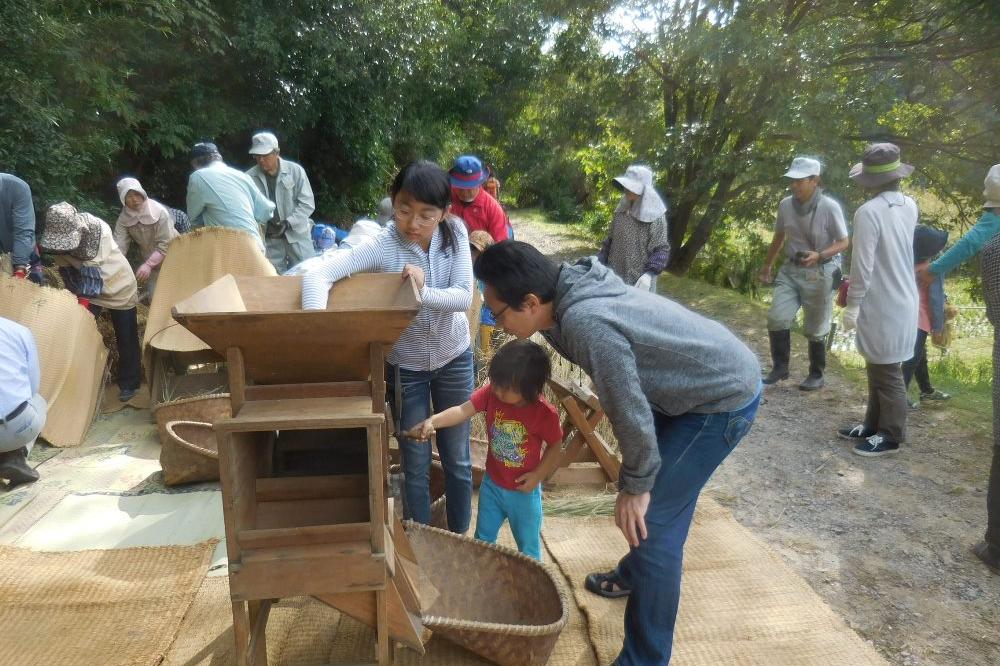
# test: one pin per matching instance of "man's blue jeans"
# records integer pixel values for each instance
(448, 386)
(691, 447)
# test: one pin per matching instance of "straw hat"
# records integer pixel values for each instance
(68, 231)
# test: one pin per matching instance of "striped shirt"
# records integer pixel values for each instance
(440, 331)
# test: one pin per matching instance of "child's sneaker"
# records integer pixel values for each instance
(857, 432)
(914, 404)
(876, 445)
(935, 395)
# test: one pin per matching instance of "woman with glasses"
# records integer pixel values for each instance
(432, 359)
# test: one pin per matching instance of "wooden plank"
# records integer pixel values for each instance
(303, 414)
(596, 443)
(241, 632)
(301, 513)
(313, 390)
(377, 363)
(582, 474)
(237, 378)
(377, 483)
(304, 536)
(238, 454)
(401, 541)
(259, 611)
(312, 487)
(403, 626)
(382, 647)
(407, 573)
(294, 571)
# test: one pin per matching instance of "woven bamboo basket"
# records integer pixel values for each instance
(181, 463)
(515, 612)
(192, 455)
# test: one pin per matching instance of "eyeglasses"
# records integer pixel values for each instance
(424, 221)
(497, 316)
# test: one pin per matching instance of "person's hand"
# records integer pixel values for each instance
(142, 273)
(765, 275)
(809, 259)
(644, 281)
(415, 272)
(630, 516)
(925, 276)
(84, 301)
(528, 482)
(422, 431)
(850, 317)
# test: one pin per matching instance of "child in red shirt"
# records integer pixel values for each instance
(521, 424)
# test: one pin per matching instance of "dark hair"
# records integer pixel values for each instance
(205, 160)
(428, 183)
(522, 366)
(891, 186)
(515, 269)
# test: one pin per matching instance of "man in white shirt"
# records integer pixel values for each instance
(22, 409)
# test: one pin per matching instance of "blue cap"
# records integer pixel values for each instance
(467, 172)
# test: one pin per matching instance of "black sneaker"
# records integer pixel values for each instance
(857, 432)
(876, 445)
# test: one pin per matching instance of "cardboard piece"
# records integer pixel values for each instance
(71, 353)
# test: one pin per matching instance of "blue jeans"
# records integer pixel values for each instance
(691, 447)
(523, 510)
(448, 386)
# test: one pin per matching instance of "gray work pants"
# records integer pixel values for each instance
(807, 288)
(284, 254)
(886, 412)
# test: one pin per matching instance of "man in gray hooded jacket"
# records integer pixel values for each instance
(680, 392)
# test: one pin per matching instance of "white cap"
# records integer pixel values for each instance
(263, 143)
(991, 187)
(803, 167)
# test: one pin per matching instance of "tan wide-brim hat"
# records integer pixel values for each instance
(879, 165)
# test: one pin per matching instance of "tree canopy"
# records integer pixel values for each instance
(715, 95)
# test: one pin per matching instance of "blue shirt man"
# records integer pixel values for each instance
(220, 196)
(22, 408)
(17, 221)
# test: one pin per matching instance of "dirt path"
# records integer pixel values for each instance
(884, 541)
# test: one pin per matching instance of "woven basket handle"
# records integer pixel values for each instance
(201, 450)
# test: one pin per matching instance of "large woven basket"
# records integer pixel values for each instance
(180, 463)
(511, 612)
(191, 455)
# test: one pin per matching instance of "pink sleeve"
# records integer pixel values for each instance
(481, 397)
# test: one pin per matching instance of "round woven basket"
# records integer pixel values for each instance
(191, 453)
(202, 408)
(511, 612)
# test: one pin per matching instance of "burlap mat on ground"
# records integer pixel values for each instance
(193, 262)
(95, 607)
(740, 604)
(71, 354)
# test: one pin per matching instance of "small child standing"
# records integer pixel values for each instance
(927, 243)
(521, 423)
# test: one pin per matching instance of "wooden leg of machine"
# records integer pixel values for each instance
(383, 648)
(257, 650)
(241, 632)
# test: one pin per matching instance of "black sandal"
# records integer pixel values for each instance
(605, 584)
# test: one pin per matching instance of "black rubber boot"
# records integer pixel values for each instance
(14, 467)
(817, 364)
(781, 349)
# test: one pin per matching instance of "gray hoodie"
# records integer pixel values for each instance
(645, 352)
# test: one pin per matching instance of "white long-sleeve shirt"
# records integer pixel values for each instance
(882, 284)
(440, 331)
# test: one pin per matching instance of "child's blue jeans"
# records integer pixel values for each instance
(523, 510)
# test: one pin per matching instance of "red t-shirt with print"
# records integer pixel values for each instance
(516, 435)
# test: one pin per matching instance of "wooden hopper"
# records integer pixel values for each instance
(332, 536)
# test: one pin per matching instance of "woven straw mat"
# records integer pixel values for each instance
(70, 351)
(194, 261)
(109, 607)
(740, 604)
